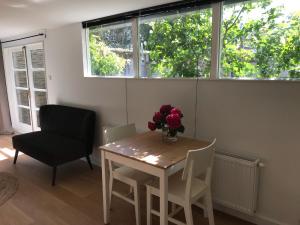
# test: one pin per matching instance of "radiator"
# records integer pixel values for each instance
(235, 182)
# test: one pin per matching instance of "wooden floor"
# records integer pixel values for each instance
(75, 200)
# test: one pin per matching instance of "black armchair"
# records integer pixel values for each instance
(67, 134)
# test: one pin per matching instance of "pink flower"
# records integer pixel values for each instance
(177, 111)
(173, 121)
(151, 126)
(165, 109)
(157, 117)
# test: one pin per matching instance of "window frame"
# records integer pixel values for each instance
(216, 51)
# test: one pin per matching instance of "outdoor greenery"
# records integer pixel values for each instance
(258, 41)
(103, 60)
(263, 45)
(179, 45)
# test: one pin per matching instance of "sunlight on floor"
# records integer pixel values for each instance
(8, 152)
(2, 157)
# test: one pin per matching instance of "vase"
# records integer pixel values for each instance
(166, 137)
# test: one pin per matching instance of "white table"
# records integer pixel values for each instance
(148, 153)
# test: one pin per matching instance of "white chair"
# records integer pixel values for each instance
(188, 189)
(131, 177)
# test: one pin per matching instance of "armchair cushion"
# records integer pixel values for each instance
(70, 122)
(49, 148)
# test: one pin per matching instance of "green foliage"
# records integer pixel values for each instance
(180, 46)
(258, 41)
(103, 60)
(262, 46)
(291, 50)
(268, 42)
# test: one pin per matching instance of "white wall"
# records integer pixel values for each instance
(254, 118)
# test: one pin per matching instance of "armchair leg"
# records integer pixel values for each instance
(54, 176)
(89, 161)
(16, 156)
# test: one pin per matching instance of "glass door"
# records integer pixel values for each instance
(37, 80)
(21, 86)
(28, 78)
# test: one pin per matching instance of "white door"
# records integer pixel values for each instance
(26, 84)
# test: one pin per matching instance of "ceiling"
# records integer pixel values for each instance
(24, 16)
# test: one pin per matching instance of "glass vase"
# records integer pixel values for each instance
(166, 137)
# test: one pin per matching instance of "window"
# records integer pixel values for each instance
(177, 45)
(259, 39)
(110, 48)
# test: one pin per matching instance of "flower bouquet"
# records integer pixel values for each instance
(169, 120)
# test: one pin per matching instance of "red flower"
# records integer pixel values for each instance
(177, 111)
(157, 117)
(173, 121)
(151, 126)
(165, 109)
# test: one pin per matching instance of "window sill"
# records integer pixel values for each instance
(195, 78)
(145, 78)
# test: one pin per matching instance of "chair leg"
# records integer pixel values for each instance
(16, 156)
(137, 205)
(209, 207)
(173, 207)
(202, 202)
(130, 190)
(54, 176)
(205, 215)
(188, 214)
(89, 161)
(110, 186)
(149, 207)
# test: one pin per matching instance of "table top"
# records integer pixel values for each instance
(149, 147)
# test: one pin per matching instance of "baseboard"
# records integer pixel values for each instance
(256, 218)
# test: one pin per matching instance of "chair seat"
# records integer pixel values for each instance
(49, 148)
(176, 188)
(130, 174)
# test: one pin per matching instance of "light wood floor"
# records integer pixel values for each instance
(75, 200)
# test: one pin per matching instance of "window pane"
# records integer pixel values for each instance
(24, 116)
(261, 40)
(19, 60)
(38, 118)
(39, 79)
(21, 79)
(40, 98)
(23, 97)
(111, 51)
(37, 58)
(177, 45)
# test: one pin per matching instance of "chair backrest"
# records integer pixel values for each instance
(116, 133)
(199, 162)
(70, 122)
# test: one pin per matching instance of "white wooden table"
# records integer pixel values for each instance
(148, 153)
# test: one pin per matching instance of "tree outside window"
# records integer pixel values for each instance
(260, 40)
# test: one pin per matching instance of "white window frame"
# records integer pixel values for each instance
(216, 40)
(216, 51)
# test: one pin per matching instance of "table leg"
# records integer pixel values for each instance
(163, 198)
(105, 188)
